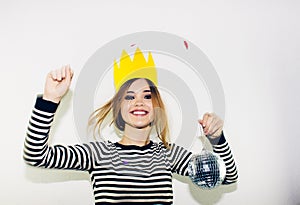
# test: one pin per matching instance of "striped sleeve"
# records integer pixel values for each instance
(179, 158)
(38, 153)
(221, 147)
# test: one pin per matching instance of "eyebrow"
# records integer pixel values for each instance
(145, 91)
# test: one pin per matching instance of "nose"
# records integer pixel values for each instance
(139, 101)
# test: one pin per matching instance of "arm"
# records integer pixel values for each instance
(37, 152)
(221, 147)
(178, 158)
(213, 129)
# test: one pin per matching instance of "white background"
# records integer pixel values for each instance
(254, 46)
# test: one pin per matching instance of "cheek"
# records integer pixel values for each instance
(151, 111)
(149, 104)
(124, 109)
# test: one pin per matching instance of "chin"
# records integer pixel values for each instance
(141, 126)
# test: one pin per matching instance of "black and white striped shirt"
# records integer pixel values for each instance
(119, 173)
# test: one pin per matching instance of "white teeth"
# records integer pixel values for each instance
(139, 112)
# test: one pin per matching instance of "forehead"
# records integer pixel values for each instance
(139, 86)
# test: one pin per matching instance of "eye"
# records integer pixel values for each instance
(148, 96)
(129, 97)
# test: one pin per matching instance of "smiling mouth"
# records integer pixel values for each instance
(139, 112)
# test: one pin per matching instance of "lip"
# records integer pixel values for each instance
(139, 112)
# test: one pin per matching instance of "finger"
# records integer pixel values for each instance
(58, 74)
(208, 124)
(53, 75)
(71, 71)
(68, 74)
(204, 119)
(63, 72)
(213, 127)
(217, 127)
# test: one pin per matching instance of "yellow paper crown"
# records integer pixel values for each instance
(136, 68)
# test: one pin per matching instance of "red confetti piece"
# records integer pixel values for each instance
(186, 44)
(132, 45)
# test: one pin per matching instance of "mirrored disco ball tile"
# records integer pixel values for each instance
(204, 170)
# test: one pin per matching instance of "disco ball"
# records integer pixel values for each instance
(206, 170)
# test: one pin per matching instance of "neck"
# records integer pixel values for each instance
(135, 136)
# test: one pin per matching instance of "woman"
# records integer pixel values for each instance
(134, 170)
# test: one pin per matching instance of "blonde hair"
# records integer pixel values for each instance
(160, 121)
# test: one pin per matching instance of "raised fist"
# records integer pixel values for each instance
(57, 84)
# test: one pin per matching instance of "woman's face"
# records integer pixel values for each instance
(136, 105)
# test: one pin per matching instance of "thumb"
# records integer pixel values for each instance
(69, 74)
